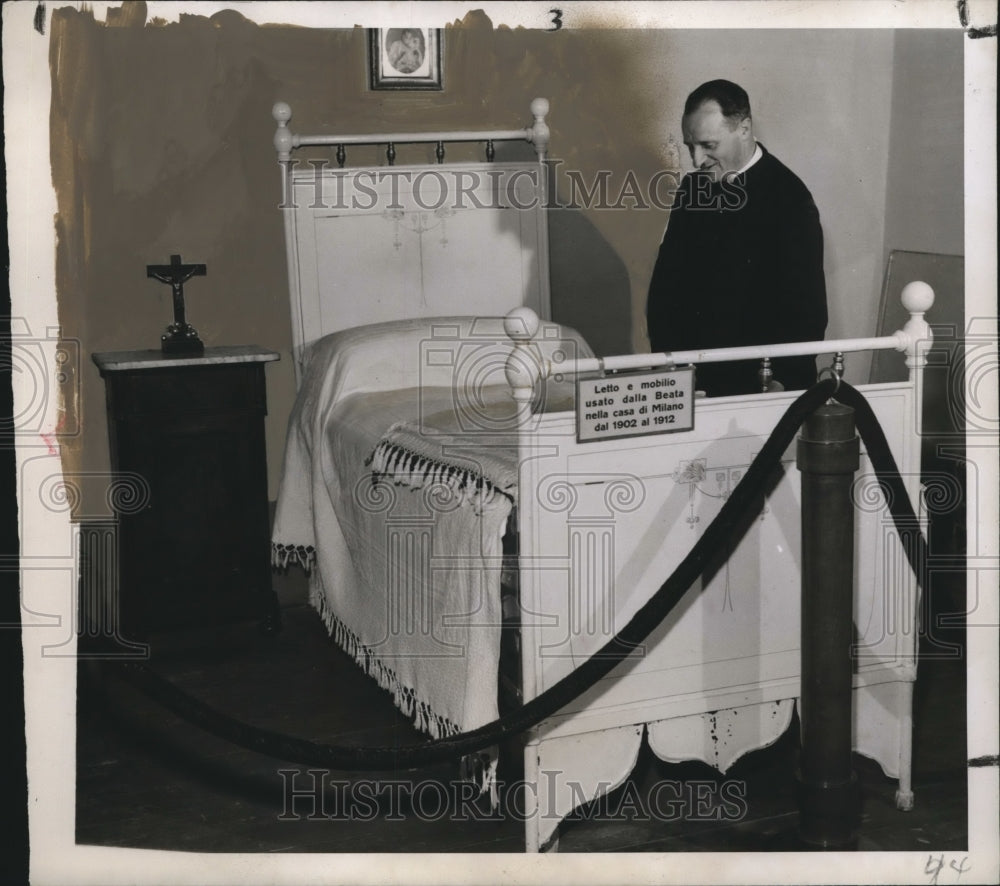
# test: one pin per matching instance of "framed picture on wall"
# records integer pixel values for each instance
(405, 58)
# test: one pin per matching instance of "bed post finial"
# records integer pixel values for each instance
(538, 133)
(915, 338)
(282, 113)
(523, 366)
(917, 297)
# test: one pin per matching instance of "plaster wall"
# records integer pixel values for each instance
(925, 193)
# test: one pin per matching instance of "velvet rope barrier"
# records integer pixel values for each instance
(731, 521)
(886, 471)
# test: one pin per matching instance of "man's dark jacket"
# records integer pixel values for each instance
(741, 263)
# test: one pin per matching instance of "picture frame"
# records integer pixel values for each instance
(405, 58)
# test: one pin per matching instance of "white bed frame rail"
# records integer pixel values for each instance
(285, 141)
(525, 367)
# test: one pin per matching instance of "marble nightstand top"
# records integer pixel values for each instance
(117, 361)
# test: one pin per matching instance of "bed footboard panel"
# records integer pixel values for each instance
(602, 526)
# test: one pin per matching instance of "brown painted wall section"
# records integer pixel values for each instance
(161, 144)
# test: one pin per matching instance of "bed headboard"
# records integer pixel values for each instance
(367, 244)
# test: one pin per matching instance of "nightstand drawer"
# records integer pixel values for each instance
(195, 389)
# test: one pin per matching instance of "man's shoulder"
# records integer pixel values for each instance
(771, 169)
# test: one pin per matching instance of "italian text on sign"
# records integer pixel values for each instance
(635, 404)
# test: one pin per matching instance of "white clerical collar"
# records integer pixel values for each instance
(757, 154)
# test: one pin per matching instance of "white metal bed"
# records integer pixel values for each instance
(601, 523)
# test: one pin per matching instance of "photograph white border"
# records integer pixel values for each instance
(50, 683)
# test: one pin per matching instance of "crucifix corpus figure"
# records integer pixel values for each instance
(181, 337)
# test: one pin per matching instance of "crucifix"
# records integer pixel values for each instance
(181, 337)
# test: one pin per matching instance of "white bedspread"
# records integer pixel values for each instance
(397, 501)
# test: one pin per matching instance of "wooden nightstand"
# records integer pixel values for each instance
(191, 430)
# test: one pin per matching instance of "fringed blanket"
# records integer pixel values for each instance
(409, 455)
(398, 511)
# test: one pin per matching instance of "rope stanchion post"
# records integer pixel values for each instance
(828, 792)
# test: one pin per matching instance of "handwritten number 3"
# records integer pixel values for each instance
(556, 19)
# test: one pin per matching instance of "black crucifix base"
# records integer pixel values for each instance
(181, 337)
(181, 340)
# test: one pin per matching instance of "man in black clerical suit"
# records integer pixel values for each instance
(741, 262)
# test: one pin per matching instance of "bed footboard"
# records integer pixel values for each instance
(602, 523)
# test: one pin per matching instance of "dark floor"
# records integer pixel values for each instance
(146, 778)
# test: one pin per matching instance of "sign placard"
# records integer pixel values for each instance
(629, 405)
